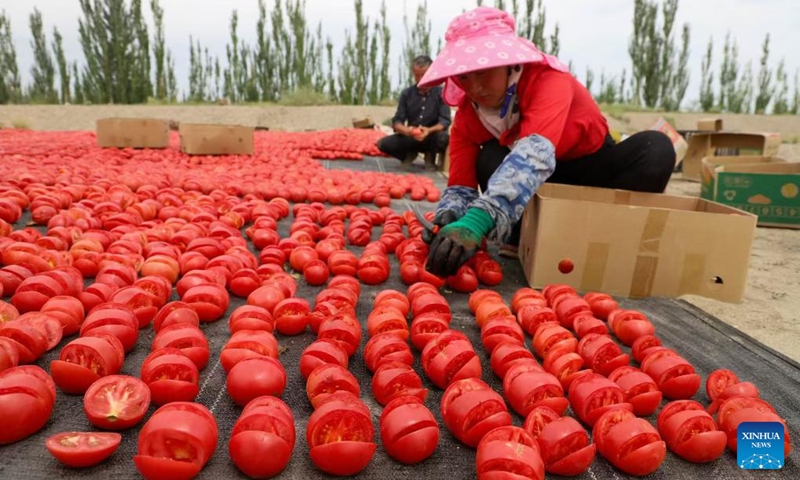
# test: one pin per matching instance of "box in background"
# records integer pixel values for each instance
(204, 139)
(710, 124)
(636, 244)
(132, 133)
(365, 123)
(765, 186)
(703, 145)
(680, 144)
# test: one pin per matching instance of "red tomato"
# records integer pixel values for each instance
(565, 447)
(116, 402)
(385, 348)
(449, 357)
(320, 352)
(209, 300)
(30, 342)
(9, 356)
(490, 309)
(530, 389)
(465, 280)
(507, 354)
(340, 438)
(251, 317)
(409, 431)
(741, 389)
(531, 316)
(640, 390)
(83, 361)
(115, 319)
(392, 298)
(692, 435)
(538, 418)
(316, 272)
(592, 395)
(601, 354)
(526, 296)
(501, 329)
(142, 303)
(470, 409)
(46, 324)
(327, 379)
(567, 310)
(82, 449)
(256, 377)
(584, 324)
(395, 379)
(27, 396)
(248, 344)
(292, 316)
(170, 376)
(263, 439)
(387, 319)
(632, 445)
(565, 266)
(68, 310)
(343, 328)
(177, 441)
(426, 327)
(718, 381)
(551, 336)
(675, 376)
(641, 346)
(508, 452)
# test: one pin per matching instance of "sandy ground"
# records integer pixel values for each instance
(770, 311)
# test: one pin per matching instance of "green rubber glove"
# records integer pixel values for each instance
(457, 242)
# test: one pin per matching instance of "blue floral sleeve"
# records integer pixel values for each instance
(529, 164)
(457, 198)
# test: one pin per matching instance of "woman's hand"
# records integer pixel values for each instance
(457, 242)
(442, 218)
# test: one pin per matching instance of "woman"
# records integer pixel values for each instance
(522, 120)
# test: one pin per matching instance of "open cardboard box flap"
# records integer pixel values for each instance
(636, 244)
(703, 145)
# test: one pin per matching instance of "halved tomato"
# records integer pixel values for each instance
(82, 449)
(116, 402)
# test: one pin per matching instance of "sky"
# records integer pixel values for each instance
(593, 33)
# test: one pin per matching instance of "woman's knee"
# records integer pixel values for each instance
(661, 152)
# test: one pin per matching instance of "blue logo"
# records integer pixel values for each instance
(759, 445)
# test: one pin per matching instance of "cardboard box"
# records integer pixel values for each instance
(201, 139)
(703, 145)
(132, 133)
(636, 244)
(765, 186)
(680, 144)
(366, 123)
(710, 124)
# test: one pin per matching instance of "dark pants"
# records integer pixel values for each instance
(643, 162)
(401, 146)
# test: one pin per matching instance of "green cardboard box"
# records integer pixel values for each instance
(765, 186)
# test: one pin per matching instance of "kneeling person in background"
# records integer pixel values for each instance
(420, 123)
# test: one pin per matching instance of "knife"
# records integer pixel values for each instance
(424, 221)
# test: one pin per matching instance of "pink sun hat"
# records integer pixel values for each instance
(479, 39)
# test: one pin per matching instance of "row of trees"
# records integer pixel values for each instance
(124, 62)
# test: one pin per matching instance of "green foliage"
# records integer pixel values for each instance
(115, 44)
(417, 42)
(781, 105)
(43, 70)
(765, 88)
(707, 79)
(159, 51)
(10, 85)
(304, 97)
(63, 67)
(796, 99)
(608, 89)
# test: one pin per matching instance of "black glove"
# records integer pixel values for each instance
(441, 219)
(457, 242)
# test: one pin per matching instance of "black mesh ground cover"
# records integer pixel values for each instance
(705, 341)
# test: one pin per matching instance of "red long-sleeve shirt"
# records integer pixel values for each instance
(552, 104)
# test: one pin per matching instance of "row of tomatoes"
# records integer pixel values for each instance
(64, 167)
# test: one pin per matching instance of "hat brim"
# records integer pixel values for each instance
(479, 53)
